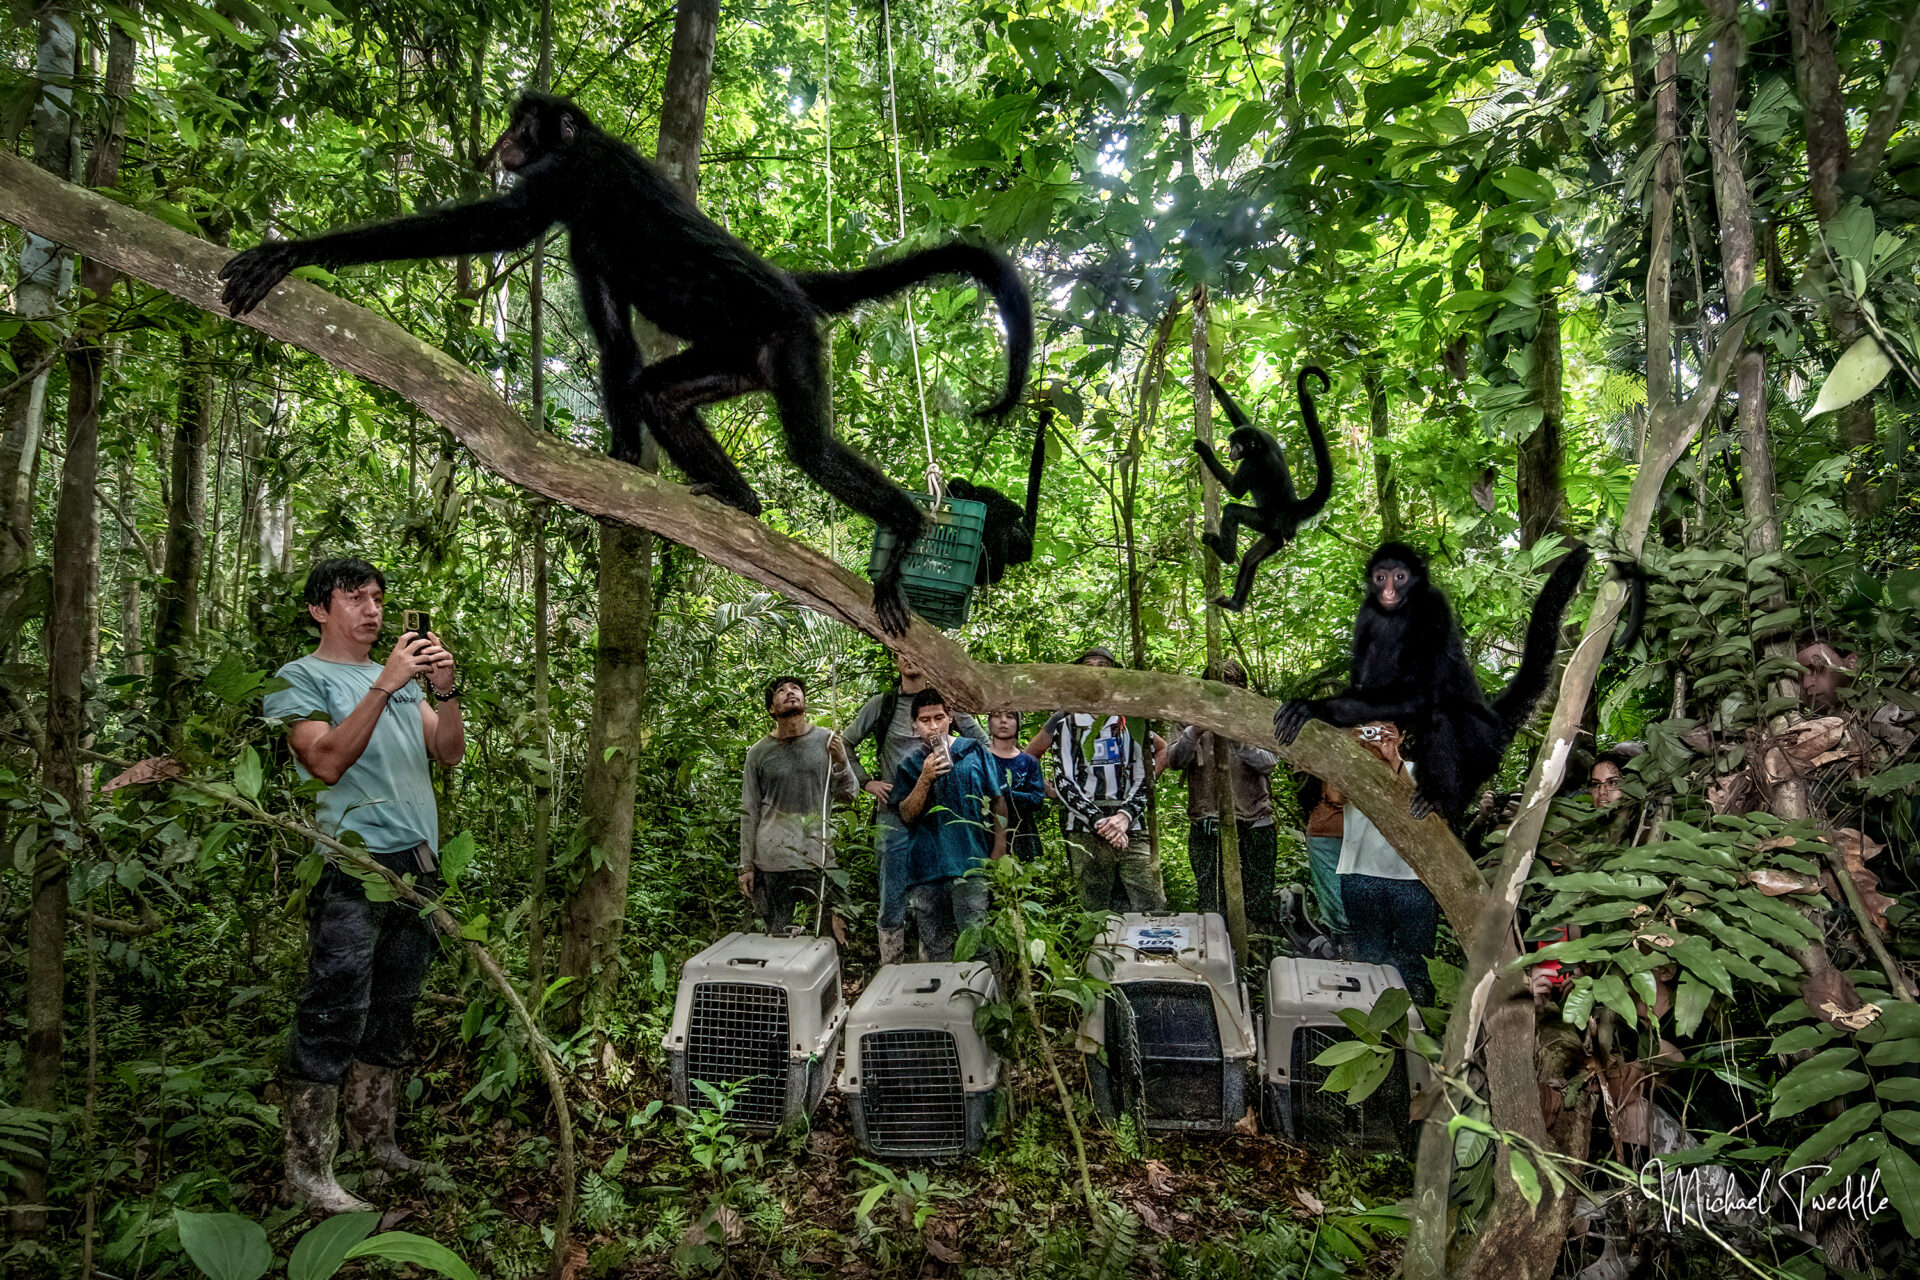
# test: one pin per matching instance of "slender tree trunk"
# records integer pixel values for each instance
(46, 272)
(1666, 180)
(1232, 888)
(133, 563)
(71, 637)
(591, 923)
(540, 509)
(1386, 486)
(1817, 73)
(176, 620)
(1737, 251)
(1543, 454)
(543, 772)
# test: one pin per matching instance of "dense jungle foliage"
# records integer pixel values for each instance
(1546, 249)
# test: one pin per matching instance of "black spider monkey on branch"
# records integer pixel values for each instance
(1277, 512)
(1008, 538)
(638, 243)
(1410, 666)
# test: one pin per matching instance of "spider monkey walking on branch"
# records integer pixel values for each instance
(638, 243)
(1008, 537)
(1277, 513)
(1410, 667)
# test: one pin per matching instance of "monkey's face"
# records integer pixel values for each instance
(1390, 582)
(540, 125)
(1243, 443)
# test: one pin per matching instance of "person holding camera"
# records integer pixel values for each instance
(1392, 917)
(366, 730)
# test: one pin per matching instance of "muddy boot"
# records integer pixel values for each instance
(312, 1131)
(893, 946)
(372, 1099)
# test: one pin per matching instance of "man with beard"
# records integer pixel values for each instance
(787, 791)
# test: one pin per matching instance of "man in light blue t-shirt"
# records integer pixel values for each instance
(365, 729)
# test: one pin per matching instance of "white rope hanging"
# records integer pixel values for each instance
(934, 484)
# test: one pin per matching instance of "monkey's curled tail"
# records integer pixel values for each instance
(1322, 457)
(837, 291)
(1515, 703)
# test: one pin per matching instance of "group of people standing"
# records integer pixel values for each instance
(951, 795)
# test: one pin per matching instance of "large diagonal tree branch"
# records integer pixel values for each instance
(352, 338)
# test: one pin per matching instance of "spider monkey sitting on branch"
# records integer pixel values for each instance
(1277, 512)
(1008, 537)
(638, 243)
(1409, 666)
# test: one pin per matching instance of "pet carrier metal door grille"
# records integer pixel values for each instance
(1380, 1123)
(1179, 1045)
(739, 1032)
(912, 1095)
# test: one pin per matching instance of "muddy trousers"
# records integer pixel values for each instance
(366, 963)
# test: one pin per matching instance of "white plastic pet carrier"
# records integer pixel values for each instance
(919, 1080)
(1178, 1034)
(761, 1010)
(1304, 999)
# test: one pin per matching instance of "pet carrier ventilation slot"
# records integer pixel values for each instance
(1304, 1000)
(919, 1080)
(763, 1011)
(1176, 1028)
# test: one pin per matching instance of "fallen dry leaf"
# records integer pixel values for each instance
(1700, 737)
(575, 1262)
(1776, 883)
(1730, 794)
(1856, 850)
(1159, 1177)
(1248, 1123)
(1775, 842)
(942, 1239)
(152, 769)
(1851, 1019)
(1309, 1201)
(1825, 988)
(1150, 1218)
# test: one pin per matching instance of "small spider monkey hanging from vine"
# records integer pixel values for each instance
(1008, 537)
(1277, 513)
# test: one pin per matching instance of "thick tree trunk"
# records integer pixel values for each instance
(72, 638)
(176, 613)
(1666, 181)
(591, 923)
(541, 852)
(1543, 453)
(46, 272)
(1386, 486)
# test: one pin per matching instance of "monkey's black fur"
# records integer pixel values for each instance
(638, 243)
(1008, 538)
(1277, 512)
(1410, 667)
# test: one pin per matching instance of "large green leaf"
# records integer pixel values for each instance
(1840, 1129)
(225, 1246)
(1690, 1002)
(1854, 375)
(322, 1250)
(1824, 1076)
(1900, 1177)
(404, 1246)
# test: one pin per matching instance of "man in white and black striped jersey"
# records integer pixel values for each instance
(1103, 774)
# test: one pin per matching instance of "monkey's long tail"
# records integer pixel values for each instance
(1322, 458)
(838, 291)
(1515, 704)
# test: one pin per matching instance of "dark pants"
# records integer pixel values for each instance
(1393, 922)
(366, 962)
(777, 893)
(945, 910)
(1258, 849)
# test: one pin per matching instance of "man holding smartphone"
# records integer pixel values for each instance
(367, 731)
(956, 818)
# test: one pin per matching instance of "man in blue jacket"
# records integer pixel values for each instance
(949, 799)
